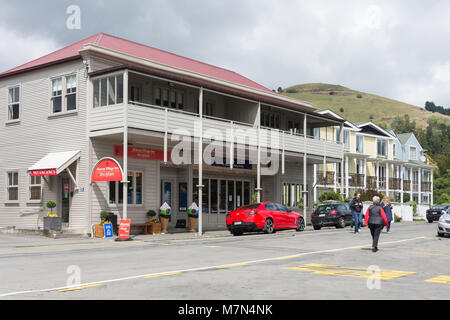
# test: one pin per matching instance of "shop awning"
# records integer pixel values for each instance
(55, 163)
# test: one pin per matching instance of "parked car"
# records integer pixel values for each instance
(435, 212)
(332, 214)
(444, 224)
(266, 216)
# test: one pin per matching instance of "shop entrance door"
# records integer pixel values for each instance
(65, 200)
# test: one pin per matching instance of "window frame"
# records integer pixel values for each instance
(361, 137)
(386, 147)
(345, 141)
(118, 184)
(8, 186)
(415, 153)
(8, 120)
(116, 94)
(34, 185)
(64, 94)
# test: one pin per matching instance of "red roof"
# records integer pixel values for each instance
(140, 51)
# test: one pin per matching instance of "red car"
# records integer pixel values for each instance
(265, 216)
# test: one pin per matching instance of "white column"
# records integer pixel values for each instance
(387, 179)
(200, 164)
(125, 146)
(377, 174)
(305, 190)
(258, 166)
(346, 177)
(334, 177)
(365, 173)
(315, 182)
(431, 176)
(419, 174)
(411, 183)
(401, 183)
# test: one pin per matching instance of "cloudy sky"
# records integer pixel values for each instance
(398, 49)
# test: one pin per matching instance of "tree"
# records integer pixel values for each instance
(341, 109)
(280, 90)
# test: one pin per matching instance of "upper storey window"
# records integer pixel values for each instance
(108, 91)
(64, 94)
(14, 103)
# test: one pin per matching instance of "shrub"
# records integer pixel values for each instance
(291, 91)
(331, 93)
(369, 194)
(151, 213)
(406, 198)
(414, 205)
(330, 195)
(51, 204)
(359, 96)
(341, 109)
(104, 215)
(397, 218)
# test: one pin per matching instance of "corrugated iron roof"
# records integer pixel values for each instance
(141, 51)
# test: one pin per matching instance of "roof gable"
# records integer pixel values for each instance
(373, 129)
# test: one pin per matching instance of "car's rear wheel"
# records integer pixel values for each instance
(300, 224)
(317, 227)
(340, 223)
(236, 233)
(430, 221)
(268, 226)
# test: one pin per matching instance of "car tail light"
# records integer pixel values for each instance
(229, 215)
(333, 212)
(251, 212)
(428, 211)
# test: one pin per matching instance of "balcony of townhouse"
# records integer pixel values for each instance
(356, 180)
(165, 108)
(371, 182)
(426, 186)
(406, 185)
(395, 183)
(325, 179)
(415, 186)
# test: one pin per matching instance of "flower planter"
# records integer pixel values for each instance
(164, 223)
(155, 228)
(53, 223)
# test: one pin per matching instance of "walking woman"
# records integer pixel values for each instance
(376, 220)
(387, 207)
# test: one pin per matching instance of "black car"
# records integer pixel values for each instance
(331, 214)
(435, 213)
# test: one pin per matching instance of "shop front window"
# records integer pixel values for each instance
(134, 191)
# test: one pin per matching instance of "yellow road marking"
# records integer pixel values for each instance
(440, 279)
(166, 244)
(80, 287)
(231, 265)
(288, 257)
(212, 246)
(349, 272)
(163, 274)
(429, 254)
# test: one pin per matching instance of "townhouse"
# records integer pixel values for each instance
(158, 114)
(375, 159)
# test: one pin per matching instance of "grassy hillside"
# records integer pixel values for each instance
(358, 106)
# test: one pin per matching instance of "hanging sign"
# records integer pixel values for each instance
(41, 173)
(107, 169)
(141, 153)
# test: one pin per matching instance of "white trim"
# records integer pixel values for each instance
(8, 186)
(370, 123)
(9, 121)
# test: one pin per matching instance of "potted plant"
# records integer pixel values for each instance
(99, 230)
(51, 220)
(164, 215)
(155, 224)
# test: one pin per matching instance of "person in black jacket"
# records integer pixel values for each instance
(376, 220)
(356, 208)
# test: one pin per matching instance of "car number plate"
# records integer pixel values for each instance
(321, 215)
(238, 222)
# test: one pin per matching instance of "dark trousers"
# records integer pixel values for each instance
(375, 230)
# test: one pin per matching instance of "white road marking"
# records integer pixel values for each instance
(195, 269)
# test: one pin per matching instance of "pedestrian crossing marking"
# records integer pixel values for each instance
(440, 279)
(350, 272)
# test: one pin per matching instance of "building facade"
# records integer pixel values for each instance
(376, 159)
(110, 97)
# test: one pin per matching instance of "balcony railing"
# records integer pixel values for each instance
(328, 180)
(356, 180)
(371, 182)
(160, 119)
(395, 183)
(426, 186)
(406, 185)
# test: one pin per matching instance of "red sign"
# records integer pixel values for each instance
(41, 173)
(141, 153)
(107, 169)
(124, 229)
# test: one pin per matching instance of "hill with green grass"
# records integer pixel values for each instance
(358, 106)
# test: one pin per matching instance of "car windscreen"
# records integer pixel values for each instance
(441, 207)
(343, 207)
